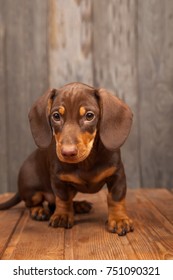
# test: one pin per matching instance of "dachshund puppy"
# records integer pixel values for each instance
(79, 131)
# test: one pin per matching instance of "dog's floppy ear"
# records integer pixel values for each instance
(39, 119)
(115, 122)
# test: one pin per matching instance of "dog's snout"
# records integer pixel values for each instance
(69, 151)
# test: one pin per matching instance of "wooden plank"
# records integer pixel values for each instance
(26, 74)
(8, 222)
(155, 66)
(152, 238)
(3, 106)
(162, 199)
(115, 66)
(35, 240)
(70, 42)
(153, 235)
(89, 238)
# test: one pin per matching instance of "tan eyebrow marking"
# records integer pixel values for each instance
(61, 110)
(82, 111)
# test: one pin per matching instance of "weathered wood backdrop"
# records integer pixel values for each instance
(122, 45)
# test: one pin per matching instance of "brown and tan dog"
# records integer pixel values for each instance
(79, 130)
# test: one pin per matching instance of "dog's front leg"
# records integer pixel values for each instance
(118, 220)
(64, 212)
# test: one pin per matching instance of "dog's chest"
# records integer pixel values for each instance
(87, 181)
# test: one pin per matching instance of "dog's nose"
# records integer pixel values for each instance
(69, 151)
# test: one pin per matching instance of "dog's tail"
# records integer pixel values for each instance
(11, 202)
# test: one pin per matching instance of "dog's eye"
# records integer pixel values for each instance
(56, 117)
(89, 116)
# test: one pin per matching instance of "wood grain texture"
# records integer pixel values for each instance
(115, 66)
(33, 241)
(90, 239)
(70, 42)
(152, 239)
(164, 206)
(155, 67)
(8, 223)
(3, 108)
(26, 75)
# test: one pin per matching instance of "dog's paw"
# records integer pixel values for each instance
(39, 213)
(120, 226)
(82, 207)
(61, 220)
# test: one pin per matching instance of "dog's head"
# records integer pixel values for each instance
(74, 114)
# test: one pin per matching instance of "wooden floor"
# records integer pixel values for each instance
(151, 210)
